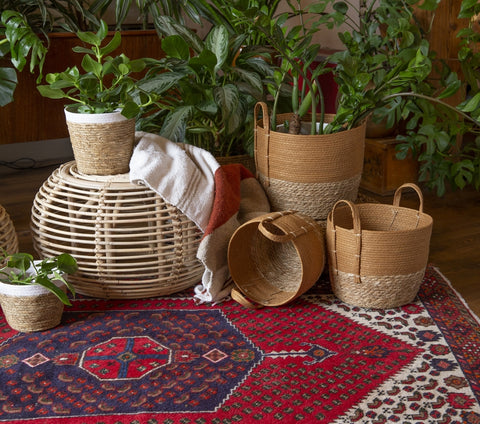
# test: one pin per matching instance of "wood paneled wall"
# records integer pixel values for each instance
(31, 117)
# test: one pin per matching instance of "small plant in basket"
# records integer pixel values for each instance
(21, 270)
(106, 85)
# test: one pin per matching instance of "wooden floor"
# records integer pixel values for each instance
(454, 248)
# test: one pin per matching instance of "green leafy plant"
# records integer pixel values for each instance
(204, 91)
(21, 45)
(21, 269)
(107, 83)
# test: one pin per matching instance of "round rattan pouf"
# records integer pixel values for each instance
(8, 236)
(128, 242)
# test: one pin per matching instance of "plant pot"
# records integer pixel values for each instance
(308, 173)
(102, 143)
(29, 308)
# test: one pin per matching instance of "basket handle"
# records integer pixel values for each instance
(357, 231)
(398, 195)
(294, 230)
(240, 298)
(266, 127)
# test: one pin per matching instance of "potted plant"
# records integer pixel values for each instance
(101, 119)
(33, 293)
(204, 90)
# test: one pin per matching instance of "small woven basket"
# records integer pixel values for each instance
(30, 308)
(8, 236)
(275, 258)
(378, 253)
(307, 173)
(102, 143)
(128, 242)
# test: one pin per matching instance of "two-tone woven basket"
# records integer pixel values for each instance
(128, 242)
(307, 173)
(102, 142)
(378, 253)
(275, 258)
(8, 236)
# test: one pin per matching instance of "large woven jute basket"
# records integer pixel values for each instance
(308, 173)
(8, 236)
(30, 308)
(128, 242)
(378, 253)
(102, 143)
(275, 258)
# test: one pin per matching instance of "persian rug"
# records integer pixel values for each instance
(317, 360)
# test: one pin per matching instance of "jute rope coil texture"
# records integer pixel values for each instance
(102, 148)
(276, 257)
(8, 236)
(378, 253)
(32, 313)
(310, 171)
(128, 242)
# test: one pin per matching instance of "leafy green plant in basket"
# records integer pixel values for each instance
(21, 269)
(106, 84)
(204, 90)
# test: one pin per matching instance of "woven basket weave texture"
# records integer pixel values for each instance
(8, 236)
(128, 242)
(308, 173)
(276, 257)
(378, 253)
(102, 148)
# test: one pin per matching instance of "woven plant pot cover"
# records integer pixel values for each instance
(8, 236)
(307, 173)
(102, 143)
(128, 242)
(378, 253)
(30, 308)
(275, 258)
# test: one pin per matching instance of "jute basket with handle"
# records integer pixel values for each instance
(275, 258)
(378, 253)
(308, 173)
(102, 143)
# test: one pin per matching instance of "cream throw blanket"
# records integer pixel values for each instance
(218, 199)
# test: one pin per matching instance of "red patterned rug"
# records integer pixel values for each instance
(318, 361)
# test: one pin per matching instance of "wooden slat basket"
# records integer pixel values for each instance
(8, 236)
(378, 253)
(128, 242)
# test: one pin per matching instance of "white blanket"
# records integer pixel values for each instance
(218, 199)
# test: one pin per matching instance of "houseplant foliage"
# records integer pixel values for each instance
(385, 70)
(106, 83)
(22, 270)
(204, 90)
(22, 46)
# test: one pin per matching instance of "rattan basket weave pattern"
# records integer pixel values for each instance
(8, 236)
(128, 242)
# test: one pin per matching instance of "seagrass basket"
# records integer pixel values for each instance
(307, 173)
(128, 242)
(275, 258)
(30, 308)
(8, 236)
(102, 143)
(378, 253)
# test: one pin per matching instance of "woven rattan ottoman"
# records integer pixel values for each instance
(129, 243)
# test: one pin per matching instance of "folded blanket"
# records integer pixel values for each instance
(217, 198)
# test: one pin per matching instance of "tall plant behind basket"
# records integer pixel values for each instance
(306, 172)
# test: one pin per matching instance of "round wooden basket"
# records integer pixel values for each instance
(8, 236)
(128, 242)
